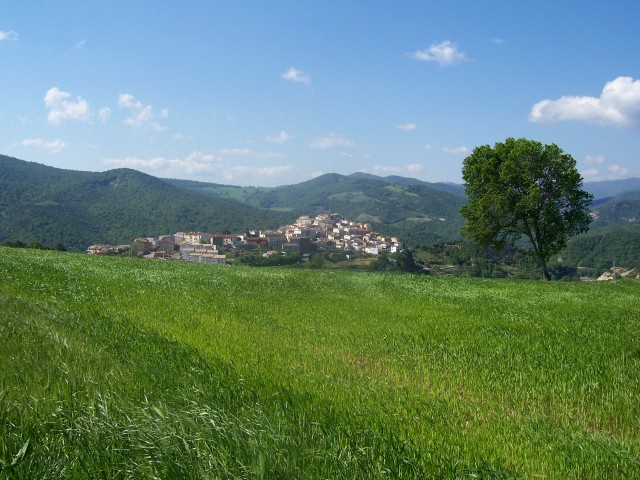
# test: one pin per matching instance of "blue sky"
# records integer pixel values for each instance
(276, 92)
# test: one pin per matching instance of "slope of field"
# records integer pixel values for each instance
(124, 368)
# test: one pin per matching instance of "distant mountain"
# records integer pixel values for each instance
(612, 188)
(50, 205)
(621, 209)
(454, 188)
(600, 190)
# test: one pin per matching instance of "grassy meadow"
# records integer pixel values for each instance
(125, 368)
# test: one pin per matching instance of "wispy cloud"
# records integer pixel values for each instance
(282, 137)
(248, 153)
(61, 108)
(411, 168)
(592, 175)
(201, 165)
(142, 116)
(195, 162)
(9, 36)
(80, 44)
(333, 140)
(239, 171)
(594, 159)
(618, 171)
(406, 127)
(445, 54)
(54, 146)
(618, 104)
(295, 75)
(104, 114)
(235, 152)
(614, 171)
(456, 150)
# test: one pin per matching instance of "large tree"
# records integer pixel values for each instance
(521, 189)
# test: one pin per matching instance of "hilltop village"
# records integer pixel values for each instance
(306, 235)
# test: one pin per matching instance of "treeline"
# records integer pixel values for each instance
(403, 262)
(35, 245)
(465, 258)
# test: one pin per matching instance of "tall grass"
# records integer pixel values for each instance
(119, 368)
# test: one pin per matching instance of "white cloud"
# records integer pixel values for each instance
(295, 75)
(247, 152)
(201, 165)
(594, 159)
(278, 139)
(618, 104)
(498, 41)
(235, 152)
(237, 171)
(411, 168)
(406, 127)
(9, 36)
(332, 140)
(614, 171)
(141, 115)
(80, 44)
(618, 171)
(54, 146)
(592, 175)
(428, 146)
(104, 114)
(62, 109)
(445, 54)
(195, 162)
(456, 150)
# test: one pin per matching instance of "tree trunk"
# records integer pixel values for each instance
(545, 271)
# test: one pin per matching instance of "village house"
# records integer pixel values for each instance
(195, 238)
(201, 253)
(100, 249)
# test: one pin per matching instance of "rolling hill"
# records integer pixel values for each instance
(418, 212)
(50, 205)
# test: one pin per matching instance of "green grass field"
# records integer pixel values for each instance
(124, 368)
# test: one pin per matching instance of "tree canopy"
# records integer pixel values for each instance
(523, 189)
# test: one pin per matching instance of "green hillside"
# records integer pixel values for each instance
(602, 248)
(623, 209)
(418, 213)
(454, 188)
(49, 205)
(124, 368)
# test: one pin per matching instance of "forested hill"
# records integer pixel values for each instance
(50, 205)
(419, 212)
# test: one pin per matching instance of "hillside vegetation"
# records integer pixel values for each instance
(50, 205)
(417, 212)
(75, 209)
(124, 368)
